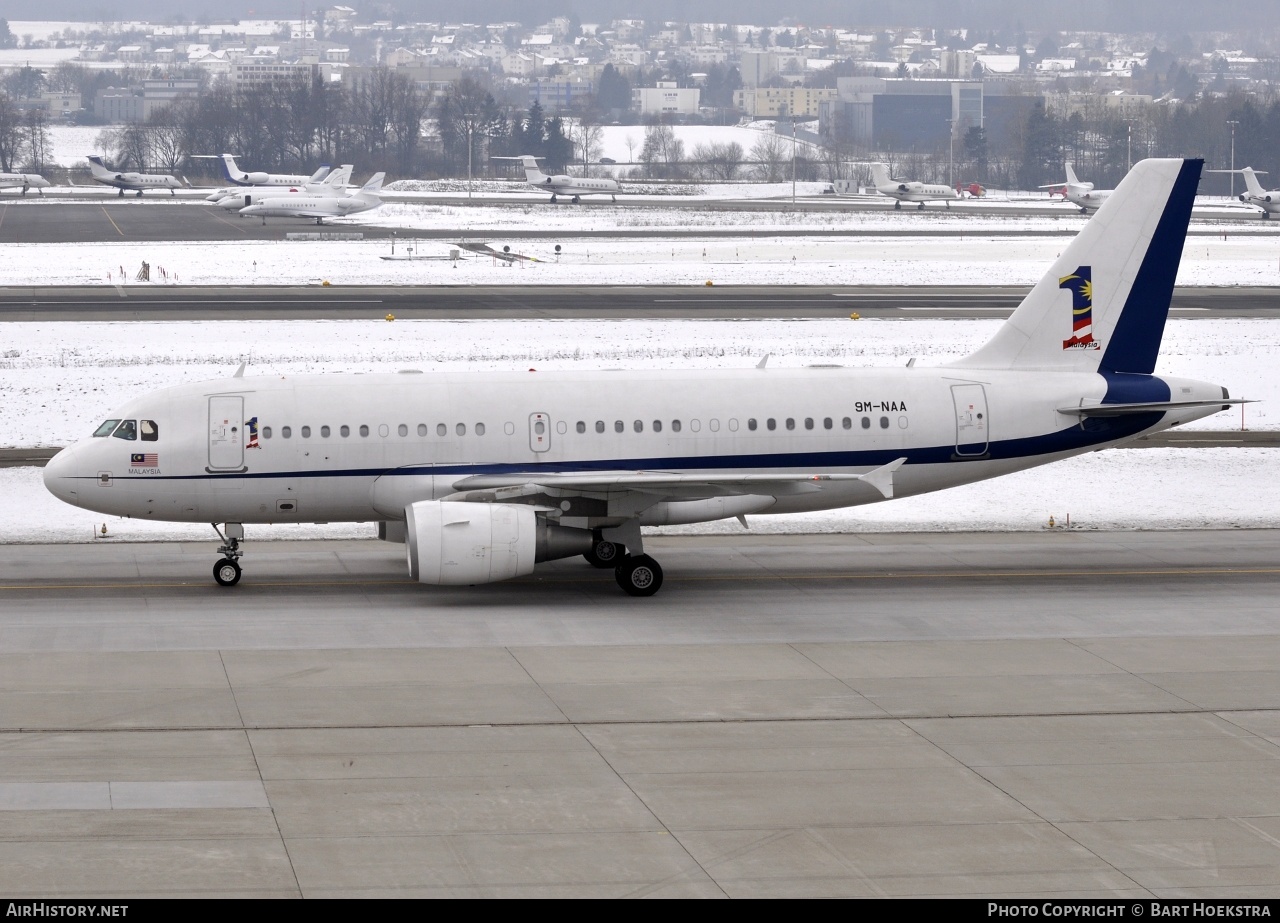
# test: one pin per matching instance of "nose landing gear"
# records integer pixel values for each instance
(227, 571)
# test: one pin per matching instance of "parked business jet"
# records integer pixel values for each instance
(1082, 195)
(563, 184)
(132, 181)
(909, 191)
(319, 207)
(257, 178)
(24, 181)
(331, 186)
(225, 191)
(1254, 194)
(484, 474)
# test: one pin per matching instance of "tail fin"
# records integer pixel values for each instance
(880, 174)
(1251, 181)
(234, 173)
(374, 186)
(531, 172)
(1103, 304)
(319, 174)
(339, 177)
(96, 166)
(1071, 175)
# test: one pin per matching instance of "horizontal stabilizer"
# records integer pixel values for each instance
(1121, 410)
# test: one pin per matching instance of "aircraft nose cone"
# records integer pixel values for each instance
(58, 479)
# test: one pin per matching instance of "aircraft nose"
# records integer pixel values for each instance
(59, 477)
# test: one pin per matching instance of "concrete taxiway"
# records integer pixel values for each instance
(1061, 714)
(266, 302)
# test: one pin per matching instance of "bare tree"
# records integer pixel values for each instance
(771, 157)
(717, 161)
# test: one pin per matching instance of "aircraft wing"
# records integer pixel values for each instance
(662, 485)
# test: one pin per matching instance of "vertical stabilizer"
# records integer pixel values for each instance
(531, 172)
(1251, 182)
(880, 175)
(1071, 175)
(1103, 304)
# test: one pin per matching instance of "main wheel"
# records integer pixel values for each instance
(897, 206)
(226, 572)
(604, 553)
(639, 576)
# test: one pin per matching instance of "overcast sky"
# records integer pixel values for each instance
(1162, 16)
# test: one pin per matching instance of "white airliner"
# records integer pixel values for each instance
(564, 184)
(1254, 194)
(318, 207)
(24, 181)
(1082, 195)
(909, 191)
(484, 474)
(132, 181)
(335, 184)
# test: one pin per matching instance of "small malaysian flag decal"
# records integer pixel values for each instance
(144, 460)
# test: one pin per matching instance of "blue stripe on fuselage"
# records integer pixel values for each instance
(1098, 431)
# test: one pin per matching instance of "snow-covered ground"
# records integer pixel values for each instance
(57, 381)
(752, 259)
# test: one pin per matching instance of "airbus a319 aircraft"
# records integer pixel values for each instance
(482, 475)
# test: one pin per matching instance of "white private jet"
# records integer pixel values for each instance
(904, 191)
(225, 191)
(1254, 194)
(257, 178)
(319, 207)
(331, 186)
(564, 184)
(132, 181)
(483, 474)
(24, 181)
(1082, 195)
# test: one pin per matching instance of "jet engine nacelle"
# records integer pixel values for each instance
(257, 179)
(451, 543)
(129, 177)
(1243, 197)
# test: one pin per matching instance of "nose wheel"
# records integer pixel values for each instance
(227, 571)
(604, 553)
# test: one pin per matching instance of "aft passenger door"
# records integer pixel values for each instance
(972, 425)
(226, 429)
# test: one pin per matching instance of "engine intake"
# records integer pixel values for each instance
(455, 544)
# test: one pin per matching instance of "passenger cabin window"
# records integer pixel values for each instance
(403, 429)
(826, 423)
(479, 429)
(148, 430)
(442, 430)
(619, 426)
(808, 422)
(599, 426)
(675, 426)
(344, 431)
(582, 426)
(638, 426)
(364, 430)
(306, 432)
(772, 423)
(657, 426)
(751, 424)
(324, 431)
(286, 432)
(461, 429)
(266, 432)
(107, 427)
(128, 429)
(422, 429)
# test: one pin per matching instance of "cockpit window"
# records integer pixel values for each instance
(148, 430)
(128, 429)
(106, 428)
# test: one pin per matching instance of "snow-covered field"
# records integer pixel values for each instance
(678, 260)
(59, 380)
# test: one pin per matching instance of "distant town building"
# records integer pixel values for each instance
(666, 99)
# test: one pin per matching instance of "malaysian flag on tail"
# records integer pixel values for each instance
(1080, 284)
(144, 460)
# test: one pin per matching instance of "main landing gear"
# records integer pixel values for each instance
(576, 200)
(553, 199)
(227, 571)
(637, 575)
(920, 207)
